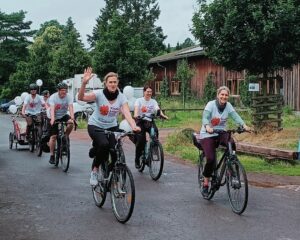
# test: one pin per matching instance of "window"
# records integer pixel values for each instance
(175, 87)
(157, 87)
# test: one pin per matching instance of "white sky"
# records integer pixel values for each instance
(175, 17)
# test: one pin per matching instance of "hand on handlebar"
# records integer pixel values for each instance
(209, 129)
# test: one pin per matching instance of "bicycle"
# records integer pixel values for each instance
(116, 178)
(153, 154)
(34, 135)
(62, 149)
(228, 170)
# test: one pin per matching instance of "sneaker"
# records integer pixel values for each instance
(137, 163)
(52, 160)
(94, 178)
(204, 191)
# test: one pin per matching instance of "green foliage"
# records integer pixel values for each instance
(259, 36)
(165, 87)
(149, 76)
(121, 50)
(14, 33)
(184, 74)
(246, 96)
(210, 89)
(187, 43)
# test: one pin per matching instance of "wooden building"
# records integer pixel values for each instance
(165, 66)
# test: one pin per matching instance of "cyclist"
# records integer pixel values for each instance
(109, 103)
(46, 95)
(60, 102)
(32, 106)
(215, 116)
(144, 106)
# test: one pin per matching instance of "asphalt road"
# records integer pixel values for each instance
(39, 201)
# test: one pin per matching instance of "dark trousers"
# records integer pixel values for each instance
(140, 138)
(103, 143)
(209, 146)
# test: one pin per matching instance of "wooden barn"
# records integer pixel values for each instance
(165, 65)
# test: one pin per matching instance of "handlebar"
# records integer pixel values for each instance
(149, 118)
(118, 133)
(238, 130)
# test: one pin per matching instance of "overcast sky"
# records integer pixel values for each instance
(175, 17)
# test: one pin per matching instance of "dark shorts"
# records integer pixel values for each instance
(54, 127)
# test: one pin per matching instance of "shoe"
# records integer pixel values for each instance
(52, 160)
(137, 163)
(92, 152)
(94, 178)
(204, 191)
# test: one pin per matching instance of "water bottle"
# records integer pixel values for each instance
(299, 149)
(152, 132)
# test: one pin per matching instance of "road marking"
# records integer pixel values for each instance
(295, 188)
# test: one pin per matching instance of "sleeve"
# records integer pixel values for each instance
(42, 100)
(156, 107)
(123, 99)
(137, 102)
(70, 100)
(236, 118)
(206, 116)
(26, 100)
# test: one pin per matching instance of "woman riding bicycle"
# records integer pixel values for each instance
(144, 106)
(215, 116)
(109, 103)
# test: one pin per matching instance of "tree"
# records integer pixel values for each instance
(210, 89)
(259, 36)
(184, 74)
(121, 49)
(14, 34)
(139, 15)
(70, 58)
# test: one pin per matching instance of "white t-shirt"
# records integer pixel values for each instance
(33, 105)
(61, 105)
(105, 114)
(218, 120)
(146, 107)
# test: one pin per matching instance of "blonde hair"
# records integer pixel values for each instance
(223, 88)
(111, 74)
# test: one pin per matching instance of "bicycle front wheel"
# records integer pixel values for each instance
(38, 144)
(156, 163)
(31, 141)
(65, 154)
(237, 186)
(122, 191)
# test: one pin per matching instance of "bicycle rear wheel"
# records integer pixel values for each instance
(156, 163)
(65, 154)
(201, 164)
(237, 186)
(11, 140)
(38, 147)
(99, 191)
(122, 193)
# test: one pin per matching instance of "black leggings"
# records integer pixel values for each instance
(140, 138)
(209, 146)
(103, 143)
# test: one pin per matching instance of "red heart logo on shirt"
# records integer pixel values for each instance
(104, 109)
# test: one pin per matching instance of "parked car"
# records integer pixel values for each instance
(5, 106)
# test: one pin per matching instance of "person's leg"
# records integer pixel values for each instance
(209, 148)
(140, 144)
(52, 141)
(29, 124)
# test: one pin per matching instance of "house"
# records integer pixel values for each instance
(165, 66)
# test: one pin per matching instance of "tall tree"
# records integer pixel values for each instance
(70, 58)
(14, 34)
(259, 36)
(121, 49)
(140, 15)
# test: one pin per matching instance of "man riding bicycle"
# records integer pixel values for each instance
(144, 106)
(60, 102)
(109, 103)
(32, 106)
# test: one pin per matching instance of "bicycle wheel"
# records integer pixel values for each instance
(11, 140)
(31, 141)
(142, 163)
(99, 191)
(201, 164)
(65, 154)
(156, 163)
(237, 186)
(122, 193)
(38, 147)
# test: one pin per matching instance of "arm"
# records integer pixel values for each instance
(71, 109)
(87, 76)
(136, 111)
(206, 121)
(163, 115)
(237, 119)
(52, 114)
